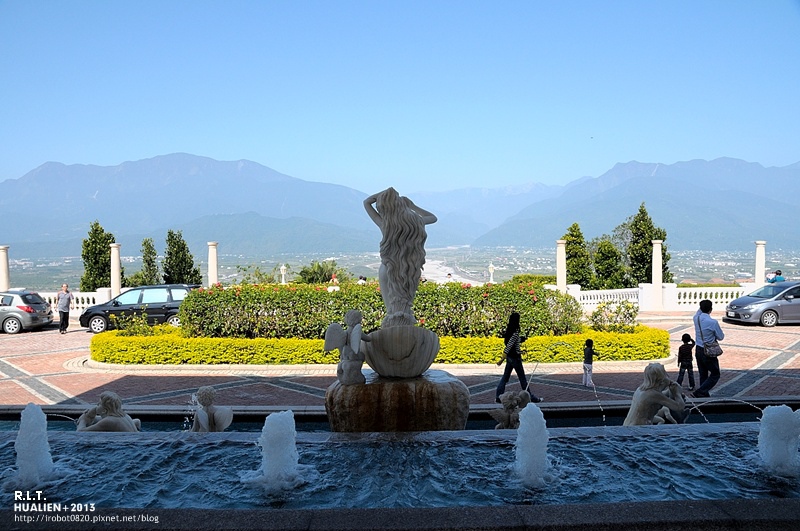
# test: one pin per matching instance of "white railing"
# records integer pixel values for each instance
(689, 298)
(81, 301)
(673, 298)
(591, 299)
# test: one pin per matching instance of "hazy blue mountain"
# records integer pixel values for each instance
(145, 198)
(251, 209)
(164, 191)
(717, 205)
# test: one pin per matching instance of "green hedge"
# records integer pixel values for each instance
(110, 347)
(305, 311)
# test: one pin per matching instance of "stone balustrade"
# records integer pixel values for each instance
(673, 298)
(81, 301)
(689, 298)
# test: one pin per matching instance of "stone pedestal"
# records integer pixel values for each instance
(435, 401)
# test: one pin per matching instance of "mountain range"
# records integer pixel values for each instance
(723, 204)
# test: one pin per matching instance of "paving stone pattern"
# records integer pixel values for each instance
(46, 367)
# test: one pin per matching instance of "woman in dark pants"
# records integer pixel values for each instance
(513, 357)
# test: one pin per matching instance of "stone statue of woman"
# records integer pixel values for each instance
(402, 249)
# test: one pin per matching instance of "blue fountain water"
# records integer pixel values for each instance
(191, 470)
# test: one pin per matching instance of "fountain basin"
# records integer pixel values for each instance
(599, 478)
(433, 469)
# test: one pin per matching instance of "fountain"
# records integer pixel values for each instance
(779, 439)
(416, 477)
(34, 462)
(279, 457)
(401, 394)
(531, 447)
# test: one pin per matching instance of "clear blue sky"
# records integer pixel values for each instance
(428, 95)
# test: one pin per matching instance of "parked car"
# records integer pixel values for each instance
(159, 303)
(23, 310)
(770, 305)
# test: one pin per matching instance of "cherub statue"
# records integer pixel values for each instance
(513, 402)
(656, 394)
(349, 344)
(209, 417)
(108, 415)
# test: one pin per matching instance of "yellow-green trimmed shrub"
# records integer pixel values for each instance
(643, 344)
(171, 348)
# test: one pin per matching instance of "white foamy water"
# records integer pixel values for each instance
(531, 447)
(34, 462)
(779, 440)
(279, 456)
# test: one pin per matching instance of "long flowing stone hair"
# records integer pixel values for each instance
(402, 247)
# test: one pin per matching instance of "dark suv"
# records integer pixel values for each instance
(159, 303)
(23, 310)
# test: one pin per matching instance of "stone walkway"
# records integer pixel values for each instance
(48, 368)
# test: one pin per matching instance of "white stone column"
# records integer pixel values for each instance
(761, 262)
(561, 265)
(658, 275)
(5, 279)
(116, 270)
(213, 276)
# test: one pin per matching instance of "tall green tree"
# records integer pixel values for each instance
(579, 263)
(96, 255)
(609, 271)
(640, 248)
(178, 262)
(150, 274)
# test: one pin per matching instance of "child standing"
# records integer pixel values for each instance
(685, 360)
(588, 358)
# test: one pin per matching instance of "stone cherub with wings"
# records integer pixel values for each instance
(349, 344)
(513, 403)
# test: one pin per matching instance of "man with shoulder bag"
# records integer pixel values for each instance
(707, 333)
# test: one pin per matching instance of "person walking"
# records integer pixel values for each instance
(588, 359)
(512, 354)
(685, 360)
(63, 302)
(707, 331)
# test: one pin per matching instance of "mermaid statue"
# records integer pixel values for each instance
(402, 250)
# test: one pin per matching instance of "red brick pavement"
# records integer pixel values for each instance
(46, 367)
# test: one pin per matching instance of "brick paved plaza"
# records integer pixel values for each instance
(48, 368)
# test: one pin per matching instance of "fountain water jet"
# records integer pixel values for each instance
(34, 461)
(531, 447)
(779, 439)
(279, 456)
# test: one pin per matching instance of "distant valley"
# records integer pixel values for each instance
(719, 205)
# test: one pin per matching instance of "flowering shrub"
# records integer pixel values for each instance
(305, 311)
(613, 316)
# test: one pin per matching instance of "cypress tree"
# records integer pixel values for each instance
(96, 255)
(579, 264)
(178, 262)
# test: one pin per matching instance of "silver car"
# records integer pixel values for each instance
(773, 304)
(23, 310)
